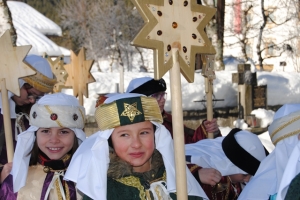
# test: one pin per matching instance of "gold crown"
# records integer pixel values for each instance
(41, 82)
(127, 111)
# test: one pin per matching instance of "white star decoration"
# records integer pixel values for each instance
(174, 24)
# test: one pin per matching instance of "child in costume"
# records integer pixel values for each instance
(141, 162)
(31, 88)
(157, 89)
(269, 181)
(236, 156)
(44, 151)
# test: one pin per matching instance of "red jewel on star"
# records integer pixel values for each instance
(53, 116)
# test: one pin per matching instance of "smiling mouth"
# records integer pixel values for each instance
(54, 148)
(137, 155)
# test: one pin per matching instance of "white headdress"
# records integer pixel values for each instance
(53, 110)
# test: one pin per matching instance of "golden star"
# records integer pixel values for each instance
(130, 111)
(57, 67)
(169, 24)
(79, 73)
(11, 63)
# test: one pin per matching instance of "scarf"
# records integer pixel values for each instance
(55, 170)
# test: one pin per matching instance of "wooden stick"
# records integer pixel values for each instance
(80, 98)
(177, 121)
(209, 107)
(7, 122)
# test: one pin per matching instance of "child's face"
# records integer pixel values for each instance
(240, 178)
(135, 144)
(55, 142)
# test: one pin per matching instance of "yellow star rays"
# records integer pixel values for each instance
(174, 24)
(12, 66)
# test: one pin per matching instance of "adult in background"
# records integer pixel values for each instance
(157, 89)
(284, 132)
(32, 88)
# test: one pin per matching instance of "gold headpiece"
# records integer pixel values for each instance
(127, 111)
(40, 82)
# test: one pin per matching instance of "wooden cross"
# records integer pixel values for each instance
(79, 74)
(57, 67)
(12, 68)
(175, 31)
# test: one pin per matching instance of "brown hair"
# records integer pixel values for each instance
(35, 150)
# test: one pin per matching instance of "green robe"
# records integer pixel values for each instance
(127, 185)
(293, 192)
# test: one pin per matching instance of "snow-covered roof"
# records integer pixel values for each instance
(31, 27)
(25, 14)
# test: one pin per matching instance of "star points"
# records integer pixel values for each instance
(11, 63)
(79, 73)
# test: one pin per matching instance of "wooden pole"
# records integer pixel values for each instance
(7, 122)
(80, 97)
(209, 107)
(178, 131)
(209, 76)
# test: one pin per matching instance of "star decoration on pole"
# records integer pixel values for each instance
(130, 111)
(57, 67)
(178, 24)
(12, 66)
(79, 74)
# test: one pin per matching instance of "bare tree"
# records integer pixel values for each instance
(215, 29)
(92, 24)
(267, 15)
(262, 25)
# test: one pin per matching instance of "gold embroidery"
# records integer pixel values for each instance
(151, 112)
(193, 168)
(131, 111)
(157, 191)
(284, 125)
(58, 190)
(135, 182)
(286, 136)
(50, 111)
(216, 189)
(148, 194)
(67, 191)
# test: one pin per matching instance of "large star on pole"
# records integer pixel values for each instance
(79, 73)
(12, 66)
(170, 24)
